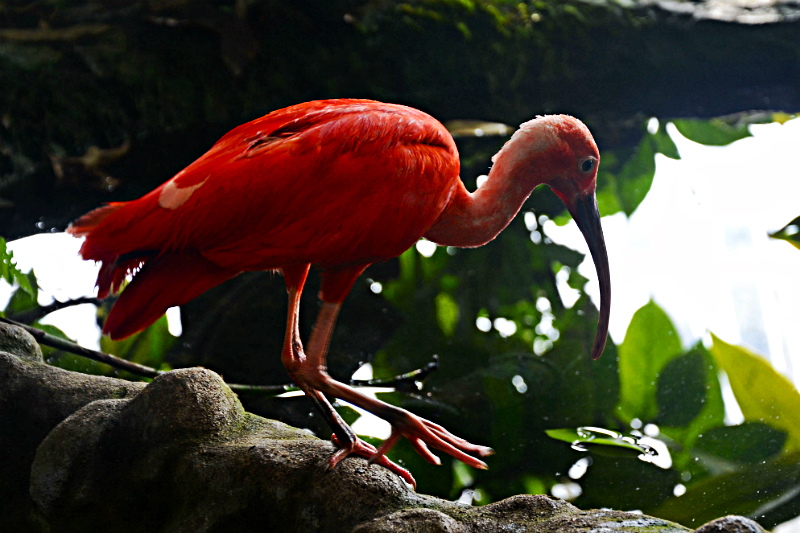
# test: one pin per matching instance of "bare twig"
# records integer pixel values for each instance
(405, 382)
(262, 390)
(32, 315)
(69, 346)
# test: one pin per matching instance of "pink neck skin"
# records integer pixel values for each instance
(473, 219)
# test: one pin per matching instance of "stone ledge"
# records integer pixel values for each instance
(182, 455)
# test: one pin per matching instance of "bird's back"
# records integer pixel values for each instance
(327, 182)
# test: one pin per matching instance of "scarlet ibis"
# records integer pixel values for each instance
(339, 184)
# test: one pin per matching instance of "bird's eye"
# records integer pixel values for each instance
(588, 164)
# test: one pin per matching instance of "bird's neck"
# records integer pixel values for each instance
(473, 219)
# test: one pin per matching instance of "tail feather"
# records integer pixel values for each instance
(84, 225)
(113, 273)
(164, 281)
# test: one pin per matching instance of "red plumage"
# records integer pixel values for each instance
(339, 184)
(333, 183)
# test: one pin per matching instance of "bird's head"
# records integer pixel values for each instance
(559, 151)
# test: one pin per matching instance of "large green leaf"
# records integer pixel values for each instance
(623, 182)
(26, 296)
(763, 394)
(601, 441)
(749, 443)
(650, 343)
(756, 491)
(681, 390)
(713, 411)
(714, 132)
(711, 415)
(636, 177)
(625, 484)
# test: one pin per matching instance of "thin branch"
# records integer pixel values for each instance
(69, 346)
(32, 315)
(262, 390)
(407, 382)
(404, 382)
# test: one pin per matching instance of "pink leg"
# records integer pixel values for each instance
(420, 432)
(294, 359)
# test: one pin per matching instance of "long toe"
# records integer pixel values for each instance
(421, 432)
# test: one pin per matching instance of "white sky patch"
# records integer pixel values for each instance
(61, 275)
(369, 424)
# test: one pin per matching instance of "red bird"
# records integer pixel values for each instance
(339, 184)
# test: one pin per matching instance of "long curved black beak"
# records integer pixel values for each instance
(586, 215)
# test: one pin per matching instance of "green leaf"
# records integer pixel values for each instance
(749, 443)
(625, 176)
(626, 484)
(663, 144)
(148, 347)
(750, 491)
(713, 412)
(11, 273)
(714, 132)
(600, 441)
(608, 201)
(636, 177)
(23, 299)
(711, 415)
(52, 330)
(650, 343)
(446, 313)
(782, 118)
(681, 391)
(763, 394)
(789, 233)
(69, 361)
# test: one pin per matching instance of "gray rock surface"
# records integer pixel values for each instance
(35, 398)
(182, 455)
(731, 524)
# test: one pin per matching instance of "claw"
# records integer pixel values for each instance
(364, 449)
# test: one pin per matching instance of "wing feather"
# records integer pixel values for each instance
(329, 182)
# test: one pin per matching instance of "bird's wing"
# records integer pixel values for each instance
(325, 182)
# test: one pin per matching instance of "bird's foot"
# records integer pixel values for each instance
(364, 449)
(422, 433)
